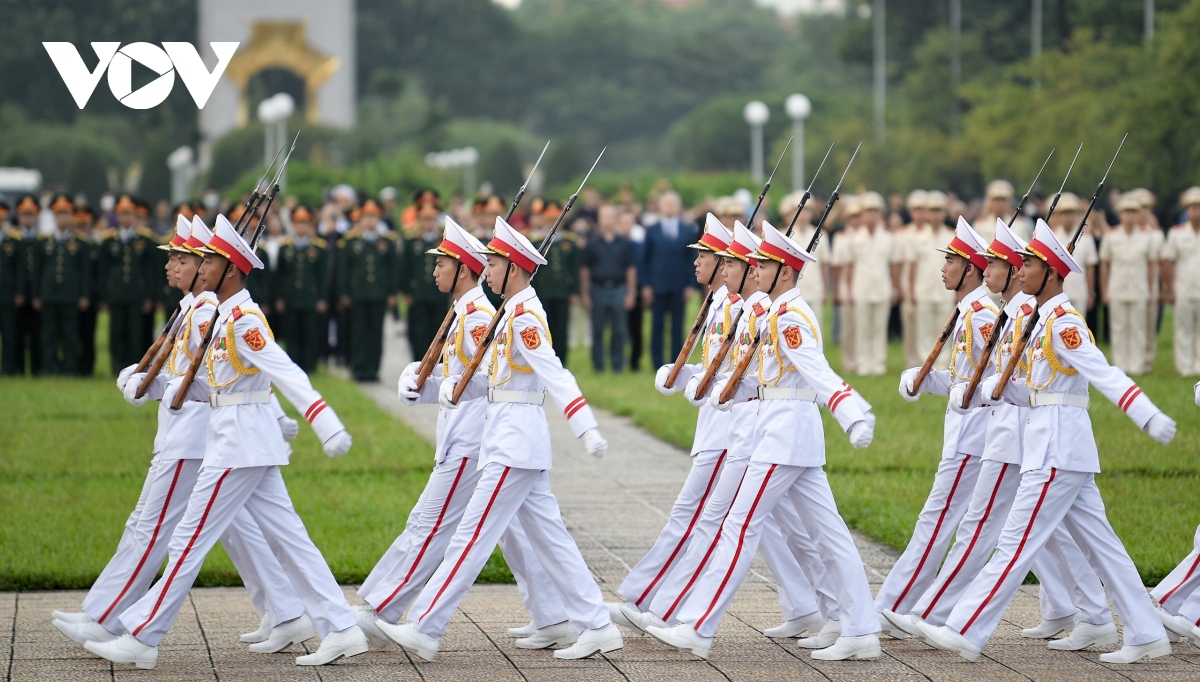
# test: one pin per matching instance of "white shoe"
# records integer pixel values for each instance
(71, 616)
(259, 635)
(1085, 635)
(126, 649)
(642, 619)
(889, 629)
(82, 633)
(1179, 626)
(561, 634)
(526, 630)
(409, 637)
(617, 615)
(337, 645)
(604, 640)
(796, 626)
(864, 648)
(1131, 653)
(948, 640)
(906, 623)
(284, 635)
(683, 637)
(1049, 628)
(367, 619)
(829, 634)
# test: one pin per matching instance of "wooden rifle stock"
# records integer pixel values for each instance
(481, 350)
(435, 350)
(153, 349)
(693, 337)
(933, 354)
(1018, 351)
(740, 370)
(985, 359)
(155, 367)
(723, 352)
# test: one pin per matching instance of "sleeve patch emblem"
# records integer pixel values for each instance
(203, 329)
(792, 336)
(1071, 338)
(531, 337)
(254, 339)
(477, 333)
(986, 331)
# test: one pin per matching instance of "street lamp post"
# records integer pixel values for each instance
(798, 108)
(182, 163)
(274, 112)
(756, 114)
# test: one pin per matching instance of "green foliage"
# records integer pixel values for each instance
(501, 166)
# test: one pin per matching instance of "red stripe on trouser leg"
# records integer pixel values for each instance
(470, 544)
(737, 552)
(933, 538)
(1191, 570)
(971, 545)
(182, 557)
(153, 538)
(1016, 555)
(424, 546)
(683, 540)
(707, 555)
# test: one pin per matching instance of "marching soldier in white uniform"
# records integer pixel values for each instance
(963, 444)
(933, 302)
(1181, 283)
(812, 286)
(514, 461)
(1079, 286)
(1058, 487)
(1178, 594)
(244, 451)
(792, 375)
(404, 569)
(1126, 256)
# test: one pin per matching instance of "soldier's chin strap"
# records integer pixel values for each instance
(963, 277)
(1008, 277)
(1045, 279)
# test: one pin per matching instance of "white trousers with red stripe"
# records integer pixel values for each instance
(218, 497)
(1068, 583)
(504, 493)
(401, 573)
(1047, 499)
(1182, 582)
(762, 488)
(270, 591)
(917, 567)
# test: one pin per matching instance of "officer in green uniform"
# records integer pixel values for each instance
(156, 274)
(368, 264)
(557, 281)
(301, 285)
(29, 320)
(426, 304)
(85, 223)
(12, 293)
(127, 283)
(61, 289)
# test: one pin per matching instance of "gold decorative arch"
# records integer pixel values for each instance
(282, 45)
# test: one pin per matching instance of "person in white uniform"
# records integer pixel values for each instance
(403, 570)
(792, 376)
(963, 440)
(998, 203)
(244, 450)
(1181, 283)
(905, 236)
(872, 276)
(1058, 487)
(934, 303)
(840, 255)
(514, 462)
(1126, 255)
(1079, 286)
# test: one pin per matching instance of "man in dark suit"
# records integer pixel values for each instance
(667, 275)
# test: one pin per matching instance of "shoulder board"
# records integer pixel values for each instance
(318, 242)
(734, 298)
(352, 234)
(237, 312)
(110, 233)
(1059, 311)
(758, 309)
(144, 232)
(410, 231)
(1026, 309)
(45, 236)
(391, 234)
(81, 234)
(12, 233)
(287, 241)
(976, 306)
(519, 310)
(470, 307)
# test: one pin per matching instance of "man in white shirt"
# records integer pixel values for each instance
(1181, 283)
(1125, 257)
(872, 278)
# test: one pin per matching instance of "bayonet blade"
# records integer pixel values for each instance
(535, 167)
(259, 186)
(1039, 173)
(785, 148)
(1064, 185)
(814, 177)
(1114, 159)
(279, 173)
(843, 179)
(589, 173)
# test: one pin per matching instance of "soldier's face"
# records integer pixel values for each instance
(126, 218)
(210, 271)
(63, 220)
(764, 275)
(1031, 274)
(494, 272)
(171, 268)
(1193, 213)
(27, 220)
(952, 270)
(368, 222)
(303, 228)
(918, 215)
(1000, 206)
(734, 267)
(706, 262)
(185, 272)
(995, 275)
(445, 272)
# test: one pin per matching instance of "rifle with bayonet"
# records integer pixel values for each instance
(1027, 333)
(949, 328)
(743, 365)
(202, 351)
(489, 334)
(429, 360)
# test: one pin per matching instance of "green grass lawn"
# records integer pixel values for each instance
(1149, 490)
(75, 455)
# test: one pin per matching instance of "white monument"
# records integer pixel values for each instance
(314, 39)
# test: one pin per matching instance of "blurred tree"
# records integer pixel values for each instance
(563, 160)
(501, 166)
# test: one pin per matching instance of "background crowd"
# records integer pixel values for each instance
(337, 270)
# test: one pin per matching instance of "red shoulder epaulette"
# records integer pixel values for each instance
(470, 307)
(1059, 311)
(758, 310)
(237, 312)
(1026, 309)
(734, 298)
(519, 310)
(976, 306)
(199, 302)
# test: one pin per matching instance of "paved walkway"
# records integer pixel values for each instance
(615, 508)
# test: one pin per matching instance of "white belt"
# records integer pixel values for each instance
(499, 395)
(247, 398)
(1040, 399)
(787, 393)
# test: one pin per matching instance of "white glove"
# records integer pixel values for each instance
(446, 392)
(1197, 391)
(907, 378)
(410, 368)
(338, 444)
(1161, 428)
(660, 381)
(957, 393)
(123, 378)
(689, 391)
(861, 434)
(714, 396)
(131, 386)
(290, 428)
(870, 417)
(408, 389)
(987, 388)
(594, 443)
